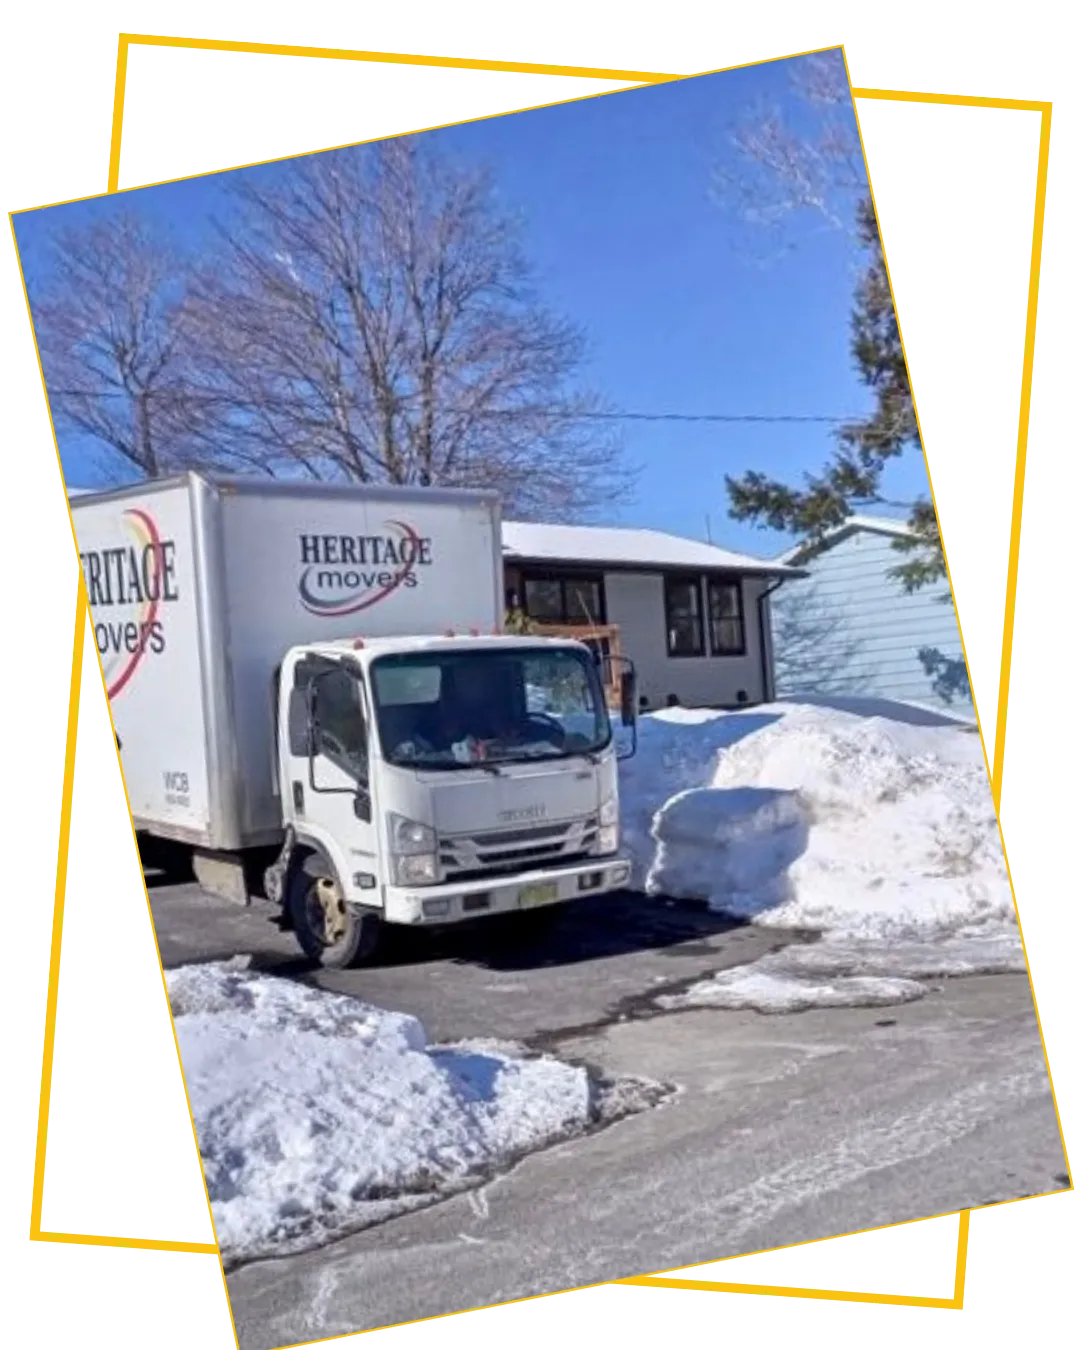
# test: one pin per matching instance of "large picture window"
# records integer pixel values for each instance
(727, 626)
(563, 598)
(682, 607)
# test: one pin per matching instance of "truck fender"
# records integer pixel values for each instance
(294, 852)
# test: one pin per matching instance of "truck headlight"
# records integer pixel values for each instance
(414, 869)
(414, 858)
(607, 836)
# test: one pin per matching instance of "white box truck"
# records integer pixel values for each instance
(314, 677)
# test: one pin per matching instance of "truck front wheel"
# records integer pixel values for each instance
(332, 933)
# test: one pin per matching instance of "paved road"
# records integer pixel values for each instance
(607, 954)
(785, 1128)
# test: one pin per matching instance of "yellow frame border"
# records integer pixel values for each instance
(127, 40)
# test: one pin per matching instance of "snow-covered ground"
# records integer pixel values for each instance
(318, 1114)
(870, 823)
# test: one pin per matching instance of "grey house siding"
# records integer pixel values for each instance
(635, 603)
(849, 628)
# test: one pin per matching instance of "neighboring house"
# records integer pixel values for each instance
(849, 627)
(692, 617)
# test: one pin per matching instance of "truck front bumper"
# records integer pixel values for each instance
(455, 901)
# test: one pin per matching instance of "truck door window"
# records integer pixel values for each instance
(304, 672)
(340, 731)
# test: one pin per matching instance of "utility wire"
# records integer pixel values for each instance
(688, 417)
(569, 415)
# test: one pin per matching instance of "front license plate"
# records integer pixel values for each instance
(533, 896)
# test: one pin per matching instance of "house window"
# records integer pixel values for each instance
(682, 606)
(557, 598)
(727, 627)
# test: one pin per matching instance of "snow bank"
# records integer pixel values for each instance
(317, 1114)
(738, 843)
(878, 831)
(677, 750)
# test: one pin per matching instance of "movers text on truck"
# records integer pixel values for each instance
(314, 677)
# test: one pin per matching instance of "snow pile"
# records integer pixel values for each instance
(317, 1114)
(737, 843)
(878, 832)
(903, 837)
(677, 749)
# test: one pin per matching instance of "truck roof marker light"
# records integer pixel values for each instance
(358, 644)
(474, 632)
(449, 633)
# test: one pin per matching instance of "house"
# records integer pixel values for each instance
(693, 618)
(849, 628)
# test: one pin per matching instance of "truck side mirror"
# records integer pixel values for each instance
(628, 707)
(311, 722)
(628, 700)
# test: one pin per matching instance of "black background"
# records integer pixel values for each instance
(956, 197)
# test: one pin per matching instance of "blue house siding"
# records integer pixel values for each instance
(849, 628)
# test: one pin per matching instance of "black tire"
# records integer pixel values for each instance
(360, 930)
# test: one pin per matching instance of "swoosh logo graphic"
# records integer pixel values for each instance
(150, 607)
(353, 604)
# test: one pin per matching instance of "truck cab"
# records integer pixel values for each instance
(426, 781)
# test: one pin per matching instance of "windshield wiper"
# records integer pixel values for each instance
(441, 766)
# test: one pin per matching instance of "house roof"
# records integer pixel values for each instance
(898, 529)
(617, 547)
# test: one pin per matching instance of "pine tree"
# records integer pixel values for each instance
(853, 476)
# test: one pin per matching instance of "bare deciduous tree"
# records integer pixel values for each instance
(371, 319)
(111, 321)
(802, 156)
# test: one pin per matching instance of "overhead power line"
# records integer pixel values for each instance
(572, 415)
(706, 417)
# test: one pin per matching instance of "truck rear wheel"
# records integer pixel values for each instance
(332, 933)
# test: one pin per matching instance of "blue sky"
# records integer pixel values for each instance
(626, 239)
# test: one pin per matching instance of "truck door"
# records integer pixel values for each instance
(327, 791)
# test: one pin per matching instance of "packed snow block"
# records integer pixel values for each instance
(732, 845)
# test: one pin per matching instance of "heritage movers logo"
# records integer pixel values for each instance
(127, 587)
(345, 573)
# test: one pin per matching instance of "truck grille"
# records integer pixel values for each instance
(498, 852)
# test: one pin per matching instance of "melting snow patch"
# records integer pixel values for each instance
(317, 1114)
(842, 974)
(774, 992)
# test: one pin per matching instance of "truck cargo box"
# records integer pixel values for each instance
(197, 587)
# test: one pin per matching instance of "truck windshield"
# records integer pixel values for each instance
(453, 709)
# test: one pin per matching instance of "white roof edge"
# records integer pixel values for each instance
(875, 524)
(627, 546)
